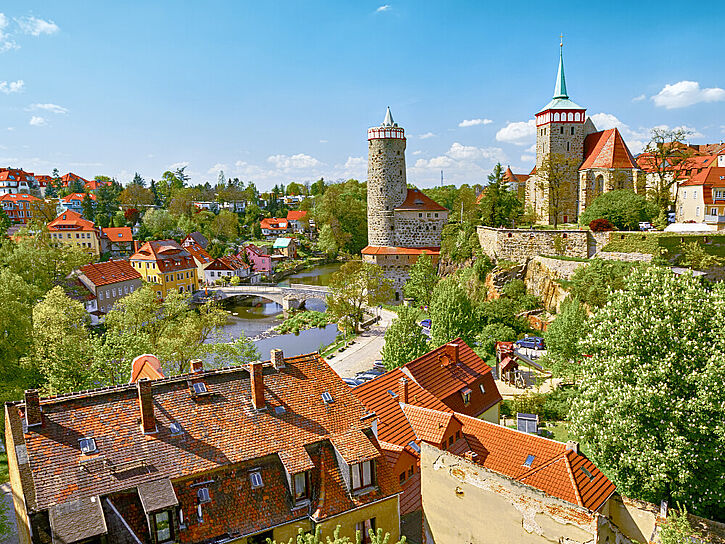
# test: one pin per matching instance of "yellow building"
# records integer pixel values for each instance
(167, 265)
(71, 229)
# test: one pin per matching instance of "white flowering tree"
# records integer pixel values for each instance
(651, 408)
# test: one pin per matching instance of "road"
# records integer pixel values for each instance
(366, 349)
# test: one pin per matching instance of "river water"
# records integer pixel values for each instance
(255, 316)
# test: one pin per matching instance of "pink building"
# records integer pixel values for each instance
(261, 262)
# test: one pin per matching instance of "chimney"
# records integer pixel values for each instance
(197, 365)
(403, 390)
(257, 384)
(572, 446)
(277, 357)
(146, 403)
(33, 415)
(135, 246)
(452, 352)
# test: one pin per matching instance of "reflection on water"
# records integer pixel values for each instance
(320, 275)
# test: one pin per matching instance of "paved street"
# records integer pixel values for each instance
(366, 349)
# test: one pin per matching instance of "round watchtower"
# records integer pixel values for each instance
(387, 184)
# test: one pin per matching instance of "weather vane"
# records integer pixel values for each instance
(561, 40)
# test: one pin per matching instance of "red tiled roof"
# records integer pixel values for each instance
(146, 366)
(273, 223)
(199, 253)
(219, 430)
(412, 499)
(18, 197)
(416, 200)
(296, 215)
(70, 176)
(429, 425)
(71, 220)
(606, 149)
(77, 196)
(229, 262)
(119, 234)
(109, 272)
(168, 254)
(440, 374)
(15, 174)
(554, 469)
(390, 250)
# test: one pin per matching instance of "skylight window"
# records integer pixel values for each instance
(256, 479)
(279, 410)
(200, 388)
(415, 447)
(392, 393)
(327, 398)
(587, 473)
(175, 428)
(529, 461)
(88, 446)
(203, 495)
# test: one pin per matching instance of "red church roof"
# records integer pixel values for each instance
(606, 149)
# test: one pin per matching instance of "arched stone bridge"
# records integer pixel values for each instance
(289, 297)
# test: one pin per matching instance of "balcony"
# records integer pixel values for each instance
(715, 219)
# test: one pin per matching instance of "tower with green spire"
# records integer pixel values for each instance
(560, 133)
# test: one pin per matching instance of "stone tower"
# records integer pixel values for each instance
(560, 133)
(387, 185)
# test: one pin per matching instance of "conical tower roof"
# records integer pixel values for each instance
(388, 121)
(560, 88)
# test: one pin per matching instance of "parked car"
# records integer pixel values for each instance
(426, 323)
(376, 370)
(366, 376)
(379, 364)
(352, 382)
(531, 342)
(645, 225)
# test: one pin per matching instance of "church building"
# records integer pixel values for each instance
(575, 163)
(403, 223)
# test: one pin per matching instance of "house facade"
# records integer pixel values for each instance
(74, 202)
(298, 220)
(286, 247)
(701, 198)
(15, 181)
(225, 268)
(167, 266)
(118, 241)
(235, 455)
(71, 229)
(261, 261)
(273, 227)
(18, 206)
(201, 258)
(109, 281)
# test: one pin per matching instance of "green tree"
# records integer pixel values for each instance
(498, 206)
(489, 335)
(316, 538)
(695, 256)
(16, 315)
(138, 180)
(343, 207)
(562, 339)
(650, 406)
(107, 202)
(88, 206)
(238, 352)
(225, 226)
(318, 188)
(354, 286)
(668, 159)
(5, 223)
(161, 223)
(61, 343)
(677, 529)
(591, 284)
(451, 313)
(327, 243)
(404, 339)
(136, 196)
(624, 209)
(459, 241)
(422, 280)
(113, 353)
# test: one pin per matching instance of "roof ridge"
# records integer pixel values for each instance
(571, 477)
(539, 437)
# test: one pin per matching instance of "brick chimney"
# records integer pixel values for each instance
(197, 365)
(146, 404)
(403, 390)
(452, 350)
(572, 446)
(33, 415)
(135, 246)
(257, 384)
(277, 357)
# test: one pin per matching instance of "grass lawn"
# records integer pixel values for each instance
(4, 468)
(560, 430)
(669, 244)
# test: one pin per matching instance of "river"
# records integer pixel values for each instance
(255, 315)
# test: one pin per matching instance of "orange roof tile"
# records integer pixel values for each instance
(606, 149)
(18, 197)
(296, 215)
(429, 425)
(118, 234)
(199, 253)
(77, 196)
(416, 200)
(273, 223)
(71, 221)
(109, 272)
(390, 250)
(168, 254)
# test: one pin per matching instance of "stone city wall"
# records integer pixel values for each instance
(520, 245)
(412, 230)
(626, 257)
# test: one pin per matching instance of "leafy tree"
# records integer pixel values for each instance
(650, 403)
(354, 286)
(309, 538)
(499, 206)
(677, 529)
(16, 315)
(155, 192)
(61, 343)
(136, 196)
(459, 242)
(89, 207)
(44, 211)
(422, 280)
(624, 209)
(562, 339)
(5, 223)
(451, 313)
(107, 202)
(239, 352)
(343, 207)
(138, 180)
(131, 215)
(489, 335)
(318, 188)
(404, 339)
(326, 241)
(669, 158)
(182, 201)
(556, 181)
(114, 352)
(225, 226)
(169, 184)
(257, 231)
(695, 256)
(160, 223)
(592, 283)
(295, 189)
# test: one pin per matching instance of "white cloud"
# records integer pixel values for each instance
(8, 87)
(639, 98)
(472, 153)
(37, 121)
(6, 41)
(53, 108)
(426, 136)
(323, 141)
(355, 162)
(294, 162)
(177, 165)
(418, 152)
(11, 128)
(461, 163)
(518, 133)
(686, 93)
(384, 7)
(528, 158)
(36, 27)
(474, 122)
(216, 168)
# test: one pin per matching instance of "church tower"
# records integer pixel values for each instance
(560, 133)
(387, 186)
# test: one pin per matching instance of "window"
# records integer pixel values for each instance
(694, 194)
(458, 435)
(450, 441)
(561, 131)
(200, 388)
(365, 527)
(684, 195)
(256, 478)
(301, 483)
(113, 291)
(411, 471)
(529, 461)
(482, 388)
(162, 524)
(100, 295)
(88, 445)
(572, 128)
(363, 475)
(697, 211)
(587, 473)
(713, 211)
(568, 146)
(202, 494)
(466, 394)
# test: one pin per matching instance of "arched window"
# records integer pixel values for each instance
(556, 117)
(571, 116)
(576, 116)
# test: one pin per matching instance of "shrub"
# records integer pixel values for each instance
(601, 225)
(623, 208)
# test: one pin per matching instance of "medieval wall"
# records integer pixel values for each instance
(519, 245)
(419, 229)
(396, 268)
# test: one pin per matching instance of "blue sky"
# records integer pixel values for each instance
(275, 92)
